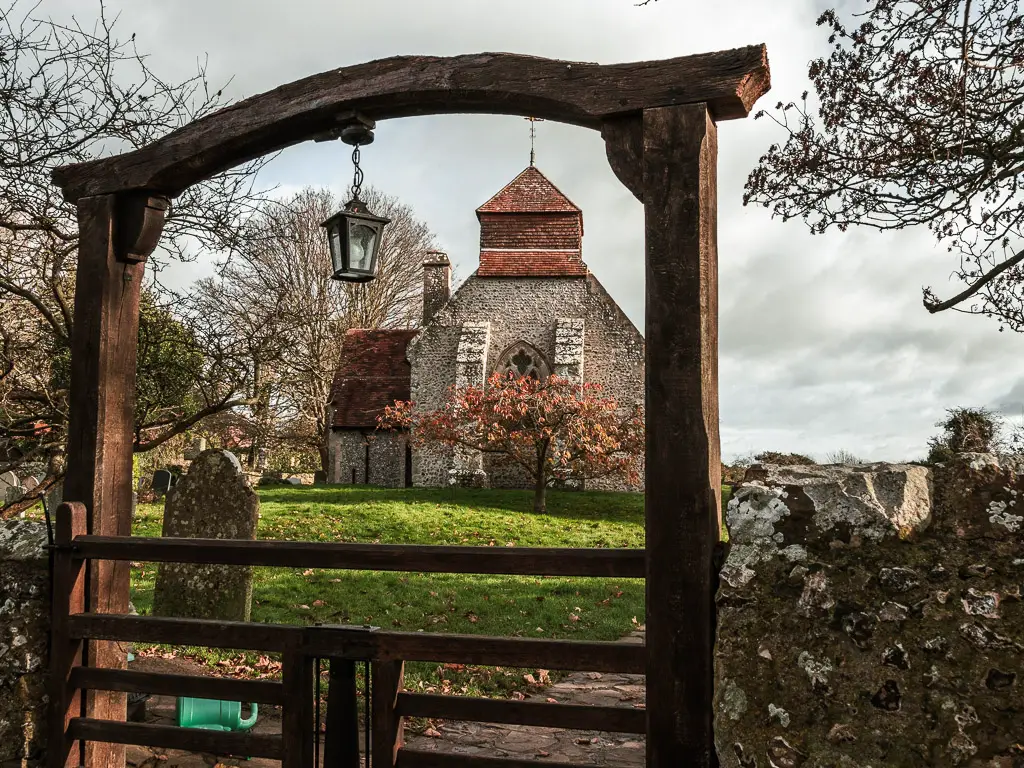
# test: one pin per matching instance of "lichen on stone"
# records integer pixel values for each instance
(733, 701)
(779, 714)
(998, 515)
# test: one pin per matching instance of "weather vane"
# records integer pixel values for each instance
(533, 136)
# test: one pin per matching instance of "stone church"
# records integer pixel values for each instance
(532, 306)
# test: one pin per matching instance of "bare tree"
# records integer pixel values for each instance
(70, 94)
(277, 296)
(843, 456)
(917, 120)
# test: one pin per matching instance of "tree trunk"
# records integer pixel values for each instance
(324, 458)
(539, 503)
(540, 483)
(322, 431)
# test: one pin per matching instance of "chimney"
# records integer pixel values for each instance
(437, 283)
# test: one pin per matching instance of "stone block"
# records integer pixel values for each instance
(24, 627)
(872, 616)
(213, 500)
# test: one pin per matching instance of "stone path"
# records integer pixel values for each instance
(613, 750)
(586, 748)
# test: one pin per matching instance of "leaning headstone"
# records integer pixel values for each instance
(294, 480)
(162, 481)
(29, 484)
(212, 501)
(7, 479)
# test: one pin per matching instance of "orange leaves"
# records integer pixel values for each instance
(554, 429)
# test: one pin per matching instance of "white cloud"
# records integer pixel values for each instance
(824, 343)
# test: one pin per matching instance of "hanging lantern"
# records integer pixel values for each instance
(354, 233)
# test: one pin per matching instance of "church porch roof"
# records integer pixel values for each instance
(373, 373)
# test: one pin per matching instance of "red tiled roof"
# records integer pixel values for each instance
(373, 374)
(529, 192)
(531, 264)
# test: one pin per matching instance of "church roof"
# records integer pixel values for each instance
(373, 374)
(530, 229)
(529, 192)
(500, 263)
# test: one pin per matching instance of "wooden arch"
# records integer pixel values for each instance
(658, 119)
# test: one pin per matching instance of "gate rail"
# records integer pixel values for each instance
(74, 627)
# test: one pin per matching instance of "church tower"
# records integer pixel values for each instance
(530, 229)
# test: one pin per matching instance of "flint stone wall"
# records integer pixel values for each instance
(572, 321)
(212, 501)
(347, 454)
(872, 616)
(24, 624)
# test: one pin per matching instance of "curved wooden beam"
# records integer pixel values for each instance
(497, 83)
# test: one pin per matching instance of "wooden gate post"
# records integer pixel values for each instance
(67, 598)
(683, 480)
(116, 234)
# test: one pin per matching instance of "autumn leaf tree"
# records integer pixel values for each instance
(555, 429)
(915, 120)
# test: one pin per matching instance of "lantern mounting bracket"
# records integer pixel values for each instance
(353, 128)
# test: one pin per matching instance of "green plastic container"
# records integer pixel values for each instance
(214, 715)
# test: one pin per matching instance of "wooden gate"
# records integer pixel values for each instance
(385, 651)
(659, 123)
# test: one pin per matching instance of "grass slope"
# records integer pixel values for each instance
(580, 608)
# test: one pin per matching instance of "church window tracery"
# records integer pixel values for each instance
(522, 359)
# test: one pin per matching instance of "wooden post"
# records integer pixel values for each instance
(386, 727)
(341, 731)
(683, 470)
(68, 597)
(116, 234)
(297, 726)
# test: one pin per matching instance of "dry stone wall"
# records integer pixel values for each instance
(24, 624)
(872, 617)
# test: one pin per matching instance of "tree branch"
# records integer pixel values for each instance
(934, 306)
(191, 421)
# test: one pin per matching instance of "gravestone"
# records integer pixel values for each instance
(197, 447)
(7, 479)
(13, 493)
(53, 498)
(162, 481)
(29, 484)
(212, 501)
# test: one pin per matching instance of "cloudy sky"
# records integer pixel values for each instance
(824, 342)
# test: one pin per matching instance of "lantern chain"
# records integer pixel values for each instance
(357, 179)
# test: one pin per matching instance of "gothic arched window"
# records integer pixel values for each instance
(522, 359)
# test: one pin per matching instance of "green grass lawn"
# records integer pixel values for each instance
(580, 608)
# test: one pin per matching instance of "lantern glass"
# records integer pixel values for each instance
(334, 240)
(362, 244)
(354, 236)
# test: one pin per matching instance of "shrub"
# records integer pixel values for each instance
(844, 457)
(966, 430)
(783, 459)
